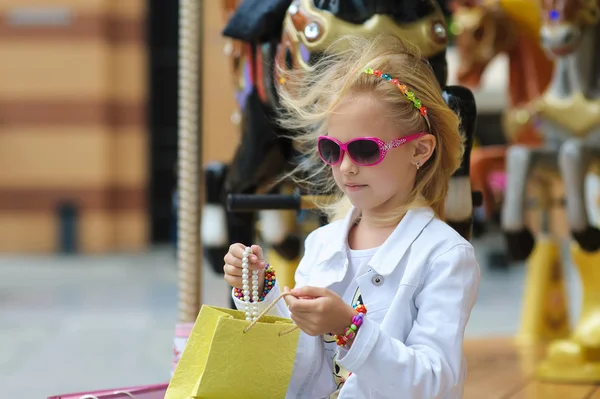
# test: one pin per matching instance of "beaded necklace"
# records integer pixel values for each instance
(251, 301)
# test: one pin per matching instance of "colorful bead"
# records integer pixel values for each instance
(377, 72)
(386, 76)
(361, 309)
(423, 111)
(270, 280)
(403, 88)
(350, 331)
(395, 81)
(358, 319)
(417, 103)
(369, 71)
(341, 340)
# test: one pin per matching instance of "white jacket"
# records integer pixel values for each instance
(421, 286)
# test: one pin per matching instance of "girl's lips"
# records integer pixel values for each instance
(354, 187)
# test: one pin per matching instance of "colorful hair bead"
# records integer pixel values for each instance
(409, 94)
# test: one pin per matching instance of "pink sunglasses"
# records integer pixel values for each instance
(364, 151)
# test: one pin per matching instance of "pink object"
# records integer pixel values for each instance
(497, 181)
(182, 333)
(157, 391)
(364, 151)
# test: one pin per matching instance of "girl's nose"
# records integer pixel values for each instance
(347, 166)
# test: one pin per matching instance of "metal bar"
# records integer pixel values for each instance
(258, 202)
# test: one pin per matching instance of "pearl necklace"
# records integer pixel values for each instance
(251, 307)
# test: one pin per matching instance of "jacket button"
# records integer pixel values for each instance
(377, 280)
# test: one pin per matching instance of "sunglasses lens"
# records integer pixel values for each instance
(329, 150)
(364, 152)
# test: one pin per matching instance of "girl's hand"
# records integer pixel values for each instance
(318, 311)
(233, 266)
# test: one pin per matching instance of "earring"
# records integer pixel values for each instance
(418, 165)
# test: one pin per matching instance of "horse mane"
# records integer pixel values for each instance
(359, 11)
(530, 67)
(526, 15)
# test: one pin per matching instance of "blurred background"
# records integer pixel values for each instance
(88, 174)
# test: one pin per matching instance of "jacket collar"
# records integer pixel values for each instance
(391, 252)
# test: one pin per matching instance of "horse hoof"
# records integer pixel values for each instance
(588, 239)
(520, 244)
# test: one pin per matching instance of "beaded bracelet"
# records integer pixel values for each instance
(269, 284)
(350, 332)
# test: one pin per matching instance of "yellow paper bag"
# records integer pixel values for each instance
(224, 359)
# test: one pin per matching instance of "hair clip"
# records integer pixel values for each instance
(409, 94)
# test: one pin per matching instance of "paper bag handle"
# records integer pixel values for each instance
(264, 312)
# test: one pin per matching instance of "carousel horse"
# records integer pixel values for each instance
(293, 35)
(568, 114)
(263, 152)
(482, 31)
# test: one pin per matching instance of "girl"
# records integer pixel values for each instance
(383, 292)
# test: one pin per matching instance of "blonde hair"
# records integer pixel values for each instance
(306, 100)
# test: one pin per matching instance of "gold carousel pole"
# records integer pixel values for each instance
(189, 245)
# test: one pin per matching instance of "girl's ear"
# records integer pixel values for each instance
(423, 149)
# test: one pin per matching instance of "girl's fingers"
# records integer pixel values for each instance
(233, 263)
(254, 263)
(289, 299)
(232, 270)
(232, 260)
(237, 250)
(236, 253)
(233, 276)
(302, 321)
(258, 252)
(236, 262)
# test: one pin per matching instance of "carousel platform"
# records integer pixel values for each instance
(498, 369)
